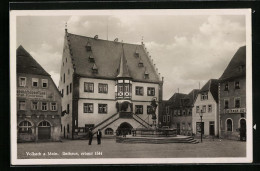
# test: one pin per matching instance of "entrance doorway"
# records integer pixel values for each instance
(243, 130)
(178, 129)
(124, 129)
(212, 128)
(44, 130)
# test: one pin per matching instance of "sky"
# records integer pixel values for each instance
(187, 50)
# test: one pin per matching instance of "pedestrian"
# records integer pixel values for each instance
(90, 136)
(99, 136)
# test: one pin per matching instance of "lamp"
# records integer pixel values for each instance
(201, 115)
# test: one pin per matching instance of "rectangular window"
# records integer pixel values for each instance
(62, 92)
(88, 87)
(175, 112)
(53, 106)
(167, 109)
(138, 109)
(190, 111)
(102, 88)
(149, 109)
(146, 76)
(70, 87)
(102, 108)
(22, 81)
(168, 118)
(64, 78)
(164, 118)
(150, 91)
(44, 83)
(204, 96)
(209, 108)
(139, 91)
(44, 106)
(237, 86)
(226, 87)
(68, 108)
(88, 48)
(204, 108)
(22, 105)
(67, 89)
(184, 112)
(226, 105)
(35, 82)
(237, 102)
(88, 108)
(179, 112)
(197, 109)
(34, 105)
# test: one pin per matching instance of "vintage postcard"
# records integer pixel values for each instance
(131, 86)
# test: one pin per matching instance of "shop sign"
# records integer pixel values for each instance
(236, 110)
(34, 94)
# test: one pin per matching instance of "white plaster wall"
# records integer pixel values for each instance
(95, 117)
(95, 94)
(207, 117)
(144, 97)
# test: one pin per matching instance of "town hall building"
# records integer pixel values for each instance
(107, 85)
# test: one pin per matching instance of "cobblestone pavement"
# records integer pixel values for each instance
(110, 149)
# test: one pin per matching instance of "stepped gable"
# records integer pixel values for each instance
(237, 65)
(211, 86)
(25, 63)
(107, 56)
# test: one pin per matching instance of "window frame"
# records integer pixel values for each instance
(86, 105)
(226, 100)
(139, 108)
(51, 105)
(164, 118)
(25, 80)
(210, 107)
(43, 81)
(149, 93)
(235, 99)
(226, 86)
(32, 105)
(231, 127)
(102, 106)
(197, 109)
(235, 85)
(27, 127)
(103, 88)
(87, 90)
(19, 105)
(46, 106)
(34, 81)
(168, 118)
(140, 91)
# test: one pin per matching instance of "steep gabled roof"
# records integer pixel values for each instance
(192, 97)
(237, 65)
(212, 87)
(107, 56)
(25, 63)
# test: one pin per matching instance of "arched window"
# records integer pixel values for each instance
(25, 127)
(229, 125)
(44, 124)
(109, 131)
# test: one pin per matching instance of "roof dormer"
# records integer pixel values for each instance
(136, 53)
(94, 69)
(141, 63)
(146, 74)
(88, 47)
(91, 59)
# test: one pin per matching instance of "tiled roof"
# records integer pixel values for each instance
(212, 87)
(25, 63)
(237, 65)
(192, 97)
(107, 55)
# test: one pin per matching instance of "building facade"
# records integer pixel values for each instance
(232, 98)
(178, 112)
(107, 85)
(38, 101)
(206, 104)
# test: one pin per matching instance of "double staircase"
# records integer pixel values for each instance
(105, 123)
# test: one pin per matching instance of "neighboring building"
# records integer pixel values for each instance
(207, 104)
(38, 101)
(178, 112)
(232, 97)
(106, 85)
